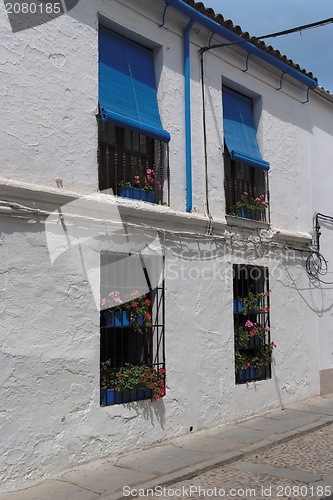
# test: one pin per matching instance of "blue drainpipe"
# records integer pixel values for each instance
(188, 138)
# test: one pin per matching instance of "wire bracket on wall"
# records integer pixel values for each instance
(163, 15)
(210, 38)
(247, 63)
(281, 83)
(307, 96)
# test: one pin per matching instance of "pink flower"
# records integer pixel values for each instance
(267, 329)
(245, 193)
(248, 364)
(267, 294)
(264, 203)
(149, 171)
(273, 345)
(103, 302)
(257, 199)
(248, 324)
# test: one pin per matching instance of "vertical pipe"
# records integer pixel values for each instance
(188, 139)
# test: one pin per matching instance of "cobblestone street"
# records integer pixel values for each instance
(299, 468)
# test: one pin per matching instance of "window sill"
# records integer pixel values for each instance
(248, 223)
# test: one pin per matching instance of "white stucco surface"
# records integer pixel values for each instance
(50, 339)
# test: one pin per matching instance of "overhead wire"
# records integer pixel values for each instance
(304, 27)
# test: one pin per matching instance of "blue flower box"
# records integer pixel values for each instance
(247, 375)
(238, 305)
(112, 397)
(245, 214)
(137, 194)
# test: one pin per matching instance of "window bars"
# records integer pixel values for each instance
(132, 348)
(246, 190)
(253, 348)
(132, 164)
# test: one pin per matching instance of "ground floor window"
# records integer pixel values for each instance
(132, 353)
(253, 346)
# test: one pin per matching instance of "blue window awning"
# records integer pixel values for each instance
(127, 87)
(239, 131)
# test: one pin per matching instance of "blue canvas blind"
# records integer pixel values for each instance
(127, 88)
(239, 132)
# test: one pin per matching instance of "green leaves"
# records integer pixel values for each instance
(249, 204)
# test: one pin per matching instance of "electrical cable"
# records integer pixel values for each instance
(316, 265)
(210, 223)
(304, 27)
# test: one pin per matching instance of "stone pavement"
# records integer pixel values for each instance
(231, 445)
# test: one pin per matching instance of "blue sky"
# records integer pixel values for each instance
(312, 50)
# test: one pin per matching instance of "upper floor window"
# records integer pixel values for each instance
(131, 137)
(246, 183)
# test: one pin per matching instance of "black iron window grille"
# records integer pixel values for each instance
(246, 190)
(252, 344)
(132, 164)
(132, 345)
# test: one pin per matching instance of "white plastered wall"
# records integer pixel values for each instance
(50, 325)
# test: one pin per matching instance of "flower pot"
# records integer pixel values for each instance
(110, 397)
(246, 214)
(254, 342)
(137, 194)
(116, 318)
(240, 375)
(247, 375)
(145, 393)
(238, 306)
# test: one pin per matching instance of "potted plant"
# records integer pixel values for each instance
(252, 303)
(130, 383)
(143, 188)
(253, 351)
(248, 207)
(130, 309)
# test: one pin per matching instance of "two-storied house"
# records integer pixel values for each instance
(160, 170)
